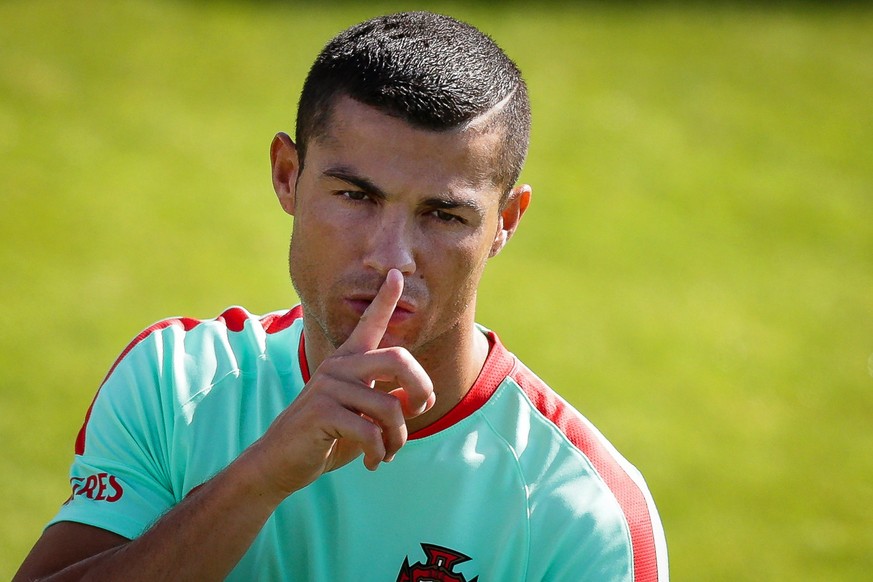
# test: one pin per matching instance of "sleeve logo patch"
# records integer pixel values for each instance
(439, 566)
(99, 487)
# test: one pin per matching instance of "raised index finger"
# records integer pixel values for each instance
(374, 321)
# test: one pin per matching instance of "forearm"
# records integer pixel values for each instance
(202, 538)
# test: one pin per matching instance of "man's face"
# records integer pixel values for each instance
(376, 194)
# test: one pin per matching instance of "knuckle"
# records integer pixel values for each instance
(386, 410)
(333, 364)
(398, 356)
(315, 412)
(388, 403)
(395, 438)
(371, 433)
(331, 373)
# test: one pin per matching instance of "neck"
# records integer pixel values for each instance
(452, 374)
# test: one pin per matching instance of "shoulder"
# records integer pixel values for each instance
(576, 476)
(231, 320)
(178, 354)
(193, 334)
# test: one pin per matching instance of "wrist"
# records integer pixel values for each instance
(253, 477)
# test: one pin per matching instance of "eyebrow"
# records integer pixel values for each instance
(366, 185)
(346, 175)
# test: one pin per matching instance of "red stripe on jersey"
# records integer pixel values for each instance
(234, 318)
(499, 364)
(629, 495)
(275, 323)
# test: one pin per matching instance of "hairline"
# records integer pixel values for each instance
(486, 122)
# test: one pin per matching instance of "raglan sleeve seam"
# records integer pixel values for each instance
(525, 488)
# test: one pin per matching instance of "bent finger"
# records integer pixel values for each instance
(396, 367)
(412, 409)
(382, 410)
(366, 436)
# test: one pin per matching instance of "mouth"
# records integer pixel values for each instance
(360, 302)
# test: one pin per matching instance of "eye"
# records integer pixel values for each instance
(356, 195)
(444, 216)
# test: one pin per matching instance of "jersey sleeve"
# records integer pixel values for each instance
(583, 535)
(592, 516)
(119, 477)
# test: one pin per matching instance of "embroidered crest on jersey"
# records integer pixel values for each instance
(439, 566)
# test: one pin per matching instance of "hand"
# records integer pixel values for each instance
(339, 415)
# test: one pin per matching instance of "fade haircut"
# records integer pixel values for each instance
(432, 71)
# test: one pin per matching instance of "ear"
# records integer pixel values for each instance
(286, 167)
(510, 215)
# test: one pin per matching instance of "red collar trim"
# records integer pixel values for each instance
(497, 367)
(301, 356)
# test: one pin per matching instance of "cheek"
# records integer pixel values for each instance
(309, 264)
(459, 270)
(322, 240)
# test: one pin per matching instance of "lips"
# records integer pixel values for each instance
(360, 302)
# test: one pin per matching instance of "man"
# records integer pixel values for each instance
(224, 448)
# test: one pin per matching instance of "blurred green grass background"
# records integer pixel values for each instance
(694, 274)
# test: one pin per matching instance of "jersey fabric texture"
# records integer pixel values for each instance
(512, 484)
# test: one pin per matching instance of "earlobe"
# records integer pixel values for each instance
(513, 209)
(286, 165)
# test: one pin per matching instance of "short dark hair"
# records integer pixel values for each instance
(430, 70)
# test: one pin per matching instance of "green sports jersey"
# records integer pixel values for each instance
(512, 484)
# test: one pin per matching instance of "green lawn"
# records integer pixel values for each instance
(695, 273)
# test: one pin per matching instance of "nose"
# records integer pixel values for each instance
(390, 246)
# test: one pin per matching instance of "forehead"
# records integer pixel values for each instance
(400, 157)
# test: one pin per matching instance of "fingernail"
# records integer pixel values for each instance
(428, 404)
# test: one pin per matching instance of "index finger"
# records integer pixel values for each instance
(374, 321)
